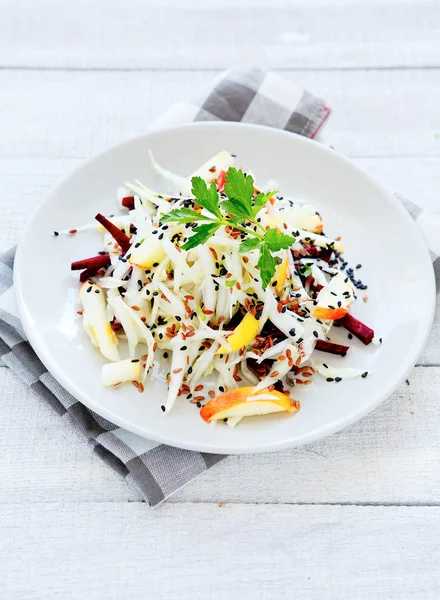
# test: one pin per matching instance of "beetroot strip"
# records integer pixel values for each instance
(85, 275)
(102, 260)
(357, 328)
(128, 202)
(331, 347)
(122, 239)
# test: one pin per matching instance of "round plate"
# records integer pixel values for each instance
(376, 231)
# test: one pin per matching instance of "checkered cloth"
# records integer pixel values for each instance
(156, 471)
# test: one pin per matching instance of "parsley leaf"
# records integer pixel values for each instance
(267, 265)
(249, 243)
(238, 208)
(201, 234)
(261, 200)
(206, 197)
(240, 189)
(304, 270)
(276, 240)
(183, 215)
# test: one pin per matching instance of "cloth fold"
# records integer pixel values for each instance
(155, 470)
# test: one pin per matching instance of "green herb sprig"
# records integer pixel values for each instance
(240, 210)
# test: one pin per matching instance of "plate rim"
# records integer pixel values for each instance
(274, 446)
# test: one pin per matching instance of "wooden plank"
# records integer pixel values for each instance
(139, 34)
(198, 552)
(388, 457)
(76, 114)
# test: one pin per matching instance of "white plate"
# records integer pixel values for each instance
(376, 232)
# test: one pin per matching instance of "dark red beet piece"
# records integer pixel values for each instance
(128, 202)
(102, 260)
(122, 239)
(322, 253)
(85, 275)
(331, 348)
(357, 328)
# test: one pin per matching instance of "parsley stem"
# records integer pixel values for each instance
(260, 226)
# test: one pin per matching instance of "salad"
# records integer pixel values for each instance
(236, 288)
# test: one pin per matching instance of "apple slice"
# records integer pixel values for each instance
(281, 274)
(148, 253)
(212, 168)
(244, 402)
(243, 334)
(118, 372)
(304, 216)
(334, 299)
(95, 320)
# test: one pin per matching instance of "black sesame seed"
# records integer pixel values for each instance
(274, 284)
(380, 340)
(324, 365)
(163, 408)
(184, 348)
(155, 293)
(161, 336)
(338, 379)
(161, 236)
(299, 340)
(332, 307)
(315, 333)
(189, 395)
(96, 291)
(339, 303)
(350, 336)
(225, 420)
(178, 318)
(221, 388)
(137, 245)
(292, 332)
(203, 347)
(199, 405)
(358, 266)
(156, 264)
(56, 233)
(190, 370)
(135, 360)
(364, 374)
(154, 231)
(333, 293)
(165, 355)
(165, 227)
(89, 289)
(329, 379)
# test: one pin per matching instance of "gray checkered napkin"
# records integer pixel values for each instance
(156, 471)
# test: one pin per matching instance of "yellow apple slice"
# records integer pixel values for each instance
(148, 253)
(280, 276)
(118, 372)
(95, 320)
(243, 334)
(244, 402)
(334, 299)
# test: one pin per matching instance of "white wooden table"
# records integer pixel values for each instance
(354, 516)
